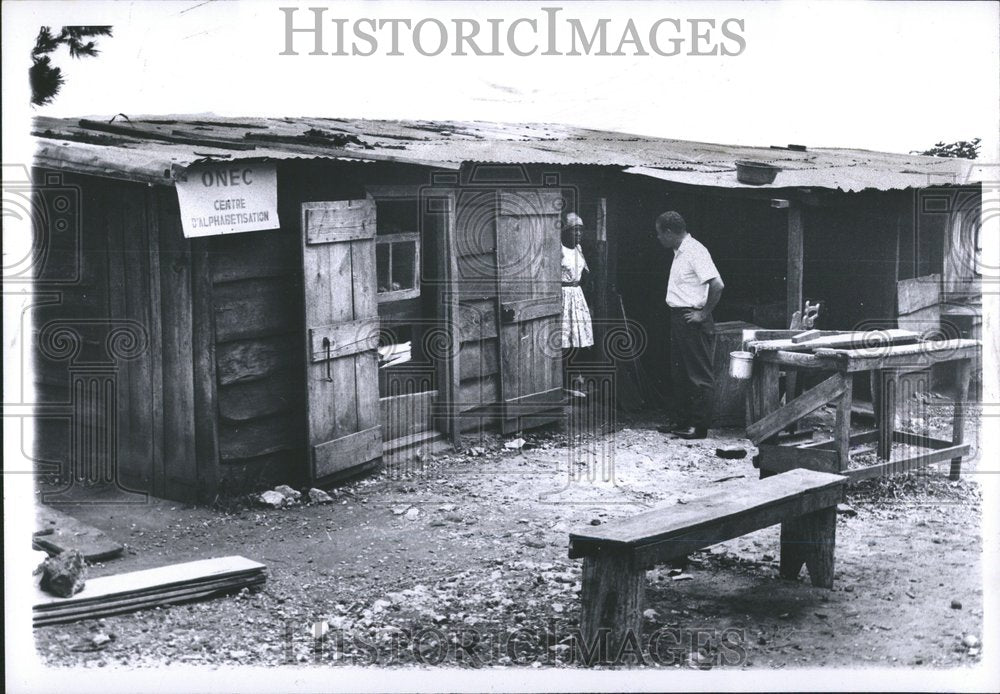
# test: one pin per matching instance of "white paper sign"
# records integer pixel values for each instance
(228, 199)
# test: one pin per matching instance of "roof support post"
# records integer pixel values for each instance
(793, 274)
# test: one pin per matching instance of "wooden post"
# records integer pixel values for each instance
(811, 540)
(963, 372)
(611, 598)
(842, 426)
(883, 385)
(206, 406)
(763, 396)
(795, 259)
(600, 286)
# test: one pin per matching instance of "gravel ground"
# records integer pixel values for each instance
(461, 560)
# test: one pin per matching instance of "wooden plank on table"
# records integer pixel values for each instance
(55, 533)
(807, 336)
(808, 402)
(164, 577)
(800, 360)
(347, 451)
(918, 293)
(869, 338)
(784, 458)
(910, 357)
(671, 520)
(344, 338)
(337, 220)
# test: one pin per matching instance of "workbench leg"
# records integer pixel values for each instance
(763, 397)
(962, 375)
(611, 600)
(791, 392)
(811, 540)
(842, 425)
(884, 396)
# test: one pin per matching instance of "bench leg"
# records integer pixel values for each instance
(611, 597)
(810, 540)
(958, 422)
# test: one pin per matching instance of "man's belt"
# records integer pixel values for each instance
(571, 284)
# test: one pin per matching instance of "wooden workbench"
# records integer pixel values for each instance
(884, 355)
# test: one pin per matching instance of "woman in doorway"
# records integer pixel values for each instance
(577, 331)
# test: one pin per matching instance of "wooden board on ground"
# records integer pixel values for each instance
(55, 533)
(150, 588)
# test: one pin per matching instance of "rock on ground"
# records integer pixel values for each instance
(272, 498)
(290, 494)
(65, 574)
(318, 496)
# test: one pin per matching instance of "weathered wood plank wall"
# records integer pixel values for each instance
(134, 282)
(256, 300)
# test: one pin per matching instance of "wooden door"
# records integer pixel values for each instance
(341, 322)
(530, 296)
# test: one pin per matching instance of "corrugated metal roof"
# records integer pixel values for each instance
(160, 150)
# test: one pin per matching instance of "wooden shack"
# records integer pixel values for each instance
(410, 292)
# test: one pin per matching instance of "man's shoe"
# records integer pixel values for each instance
(669, 428)
(691, 433)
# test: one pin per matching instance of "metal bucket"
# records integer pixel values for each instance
(740, 365)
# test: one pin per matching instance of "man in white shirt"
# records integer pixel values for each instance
(693, 290)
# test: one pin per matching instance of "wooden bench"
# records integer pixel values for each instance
(616, 554)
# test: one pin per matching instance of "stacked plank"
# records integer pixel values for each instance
(137, 590)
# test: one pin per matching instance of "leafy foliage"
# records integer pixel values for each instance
(963, 149)
(47, 79)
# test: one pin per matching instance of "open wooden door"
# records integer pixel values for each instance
(341, 320)
(528, 260)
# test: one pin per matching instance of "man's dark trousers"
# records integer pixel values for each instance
(692, 351)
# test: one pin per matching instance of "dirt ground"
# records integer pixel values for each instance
(461, 559)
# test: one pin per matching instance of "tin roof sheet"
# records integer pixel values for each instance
(160, 149)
